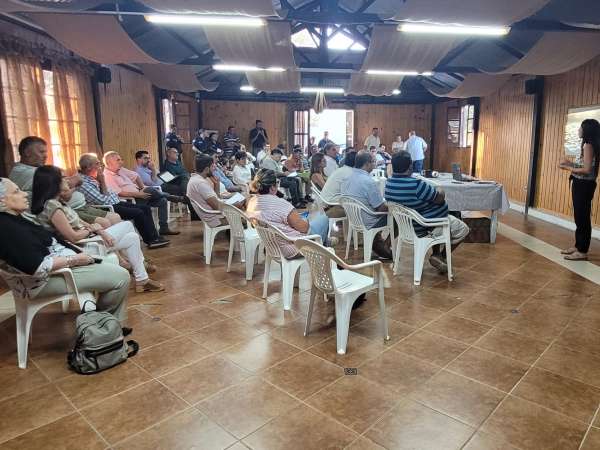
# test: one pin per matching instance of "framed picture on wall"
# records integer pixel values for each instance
(574, 118)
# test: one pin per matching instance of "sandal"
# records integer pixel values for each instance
(576, 256)
(568, 251)
(149, 286)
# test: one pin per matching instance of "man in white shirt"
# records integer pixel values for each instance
(416, 146)
(373, 140)
(333, 186)
(331, 151)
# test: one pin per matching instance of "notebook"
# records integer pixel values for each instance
(235, 198)
(167, 176)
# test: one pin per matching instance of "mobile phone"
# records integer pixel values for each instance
(97, 260)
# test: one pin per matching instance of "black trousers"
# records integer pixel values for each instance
(142, 219)
(582, 192)
(293, 184)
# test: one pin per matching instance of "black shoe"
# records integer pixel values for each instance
(158, 244)
(300, 205)
(168, 232)
(359, 301)
(176, 199)
(308, 199)
(126, 331)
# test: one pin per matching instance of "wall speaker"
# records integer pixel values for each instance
(103, 75)
(534, 86)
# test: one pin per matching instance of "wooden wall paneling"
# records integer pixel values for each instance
(392, 120)
(128, 115)
(218, 115)
(505, 138)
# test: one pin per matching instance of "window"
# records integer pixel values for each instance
(52, 104)
(467, 116)
(304, 39)
(301, 128)
(337, 39)
(460, 126)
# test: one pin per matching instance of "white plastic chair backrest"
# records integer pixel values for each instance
(404, 218)
(271, 238)
(234, 216)
(197, 208)
(354, 210)
(317, 193)
(319, 261)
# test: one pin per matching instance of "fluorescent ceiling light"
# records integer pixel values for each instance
(243, 68)
(393, 72)
(396, 92)
(326, 90)
(246, 88)
(452, 29)
(426, 74)
(180, 19)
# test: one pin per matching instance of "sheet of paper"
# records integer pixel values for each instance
(166, 176)
(235, 198)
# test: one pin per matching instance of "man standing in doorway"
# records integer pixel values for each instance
(373, 140)
(416, 146)
(258, 137)
(323, 142)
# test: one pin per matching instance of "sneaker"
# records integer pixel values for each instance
(439, 263)
(300, 205)
(568, 251)
(308, 199)
(158, 244)
(577, 256)
(168, 232)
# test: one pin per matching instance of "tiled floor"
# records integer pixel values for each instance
(505, 357)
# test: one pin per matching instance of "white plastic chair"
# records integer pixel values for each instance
(404, 217)
(346, 285)
(26, 308)
(209, 233)
(271, 239)
(322, 203)
(354, 211)
(246, 237)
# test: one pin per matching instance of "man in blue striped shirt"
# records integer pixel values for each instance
(417, 194)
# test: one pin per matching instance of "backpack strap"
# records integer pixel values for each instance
(135, 346)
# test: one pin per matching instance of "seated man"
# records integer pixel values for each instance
(127, 183)
(220, 175)
(33, 152)
(272, 162)
(295, 164)
(414, 193)
(379, 159)
(333, 186)
(362, 187)
(203, 188)
(148, 174)
(95, 191)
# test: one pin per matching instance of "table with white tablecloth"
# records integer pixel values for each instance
(468, 196)
(473, 196)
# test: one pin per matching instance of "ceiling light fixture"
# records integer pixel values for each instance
(243, 68)
(403, 73)
(453, 29)
(396, 92)
(325, 90)
(247, 88)
(180, 19)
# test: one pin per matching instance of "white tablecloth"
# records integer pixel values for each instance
(471, 196)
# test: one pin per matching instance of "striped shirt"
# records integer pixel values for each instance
(416, 194)
(90, 188)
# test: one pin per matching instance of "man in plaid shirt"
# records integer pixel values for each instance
(94, 189)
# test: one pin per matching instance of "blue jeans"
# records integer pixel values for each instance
(418, 166)
(319, 225)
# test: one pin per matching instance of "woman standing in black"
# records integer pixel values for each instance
(584, 172)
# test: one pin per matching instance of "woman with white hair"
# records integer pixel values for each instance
(30, 249)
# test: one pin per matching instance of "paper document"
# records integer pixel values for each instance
(167, 176)
(235, 198)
